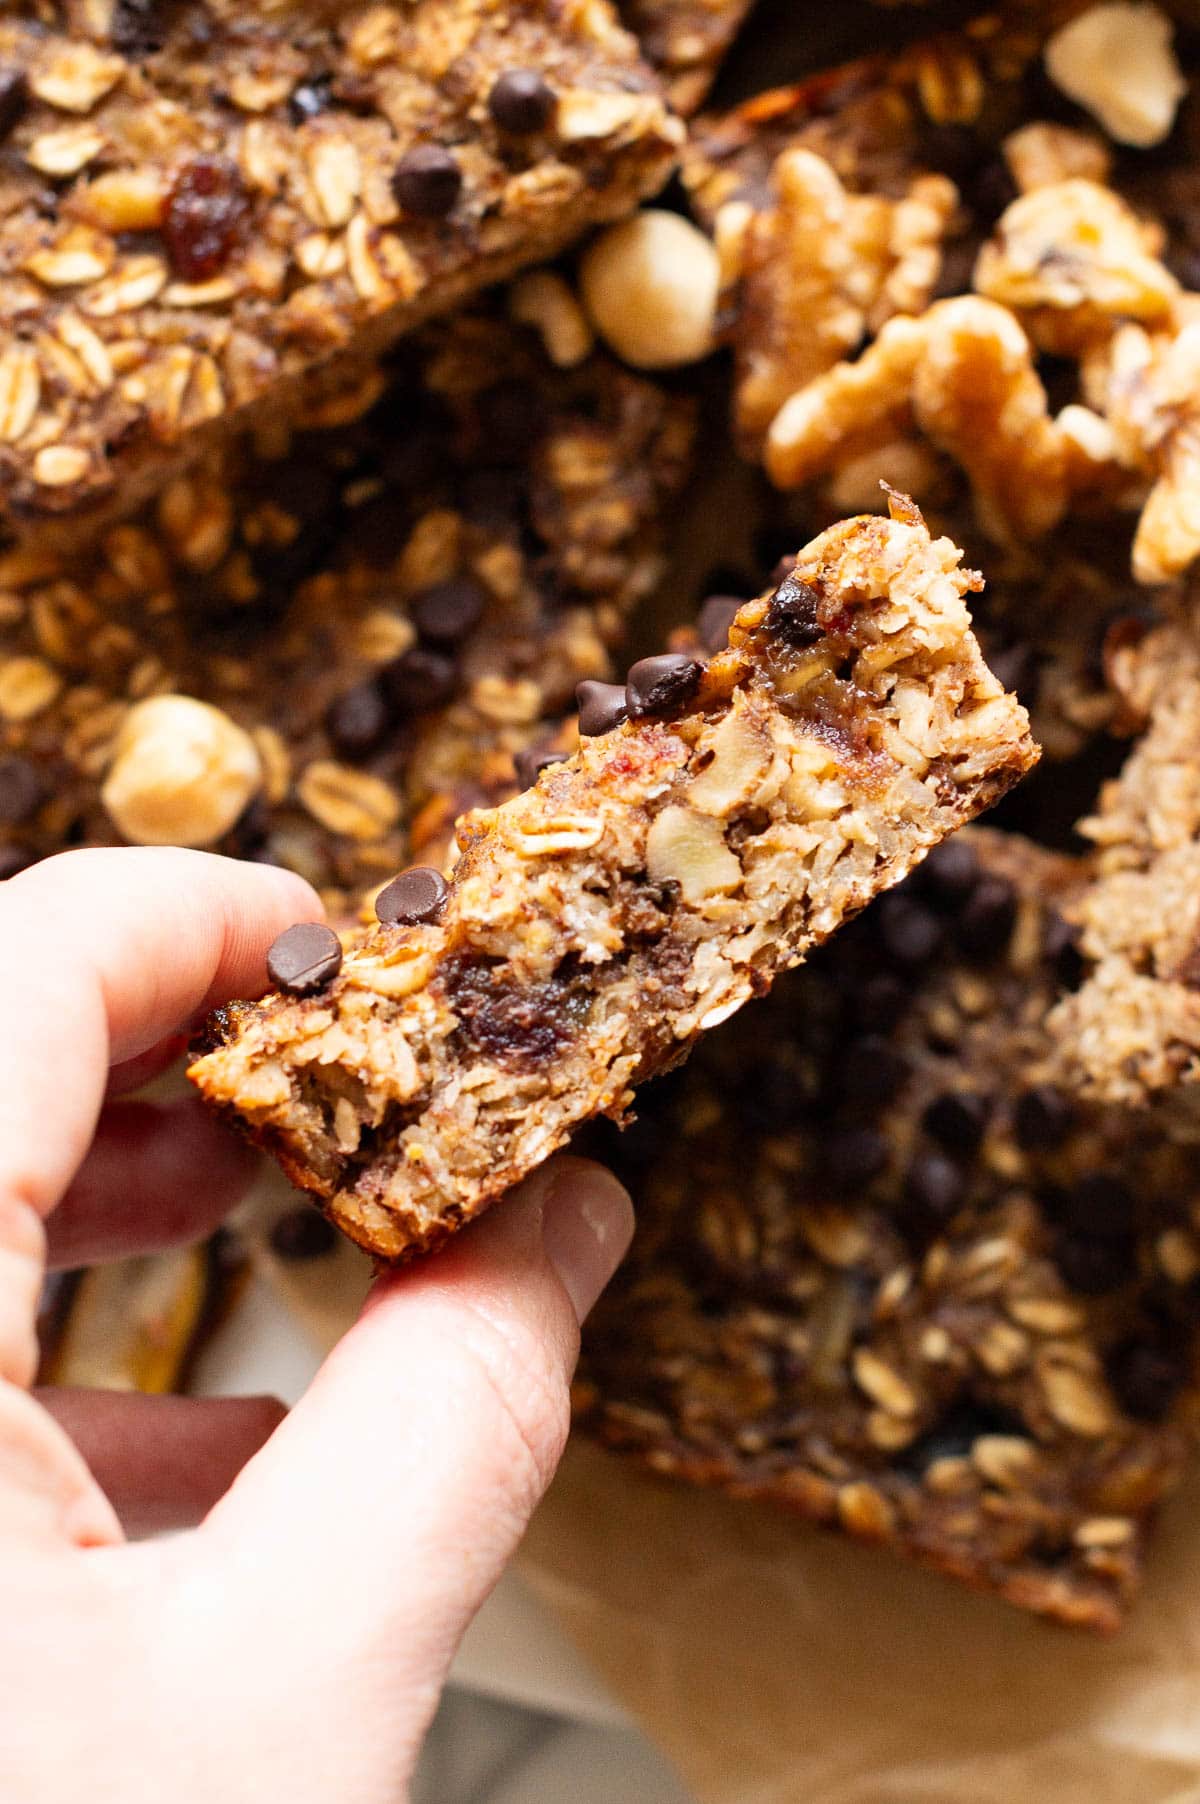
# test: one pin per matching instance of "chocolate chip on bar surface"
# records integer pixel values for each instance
(980, 1351)
(640, 894)
(413, 897)
(304, 958)
(321, 657)
(210, 206)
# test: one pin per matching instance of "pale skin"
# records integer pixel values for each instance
(294, 1641)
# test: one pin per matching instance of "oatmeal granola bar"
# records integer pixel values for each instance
(1130, 1033)
(321, 656)
(887, 1275)
(718, 821)
(204, 203)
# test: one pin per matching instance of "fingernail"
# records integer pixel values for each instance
(587, 1224)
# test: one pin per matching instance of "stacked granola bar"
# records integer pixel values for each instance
(496, 627)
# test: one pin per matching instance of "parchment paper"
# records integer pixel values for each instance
(776, 1664)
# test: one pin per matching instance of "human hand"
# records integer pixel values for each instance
(293, 1646)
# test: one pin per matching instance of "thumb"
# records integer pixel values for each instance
(375, 1522)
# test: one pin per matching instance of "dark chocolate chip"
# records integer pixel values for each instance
(662, 684)
(1147, 1380)
(910, 932)
(512, 418)
(204, 217)
(309, 101)
(304, 958)
(854, 1157)
(427, 182)
(1042, 1118)
(419, 680)
(714, 620)
(522, 101)
(531, 763)
(601, 707)
(935, 1186)
(1060, 946)
(881, 1001)
(14, 98)
(301, 1235)
(794, 613)
(413, 897)
(1101, 1206)
(956, 1120)
(1093, 1267)
(986, 920)
(955, 1433)
(358, 721)
(444, 614)
(951, 870)
(22, 790)
(873, 1072)
(139, 27)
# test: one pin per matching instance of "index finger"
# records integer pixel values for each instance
(102, 954)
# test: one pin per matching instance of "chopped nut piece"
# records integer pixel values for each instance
(182, 773)
(1116, 60)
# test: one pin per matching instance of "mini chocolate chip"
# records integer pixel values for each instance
(531, 763)
(14, 98)
(447, 612)
(309, 101)
(1060, 946)
(522, 101)
(873, 1072)
(951, 870)
(662, 684)
(358, 721)
(714, 620)
(1042, 1118)
(427, 182)
(855, 1156)
(881, 1001)
(794, 613)
(14, 860)
(419, 680)
(1147, 1380)
(1101, 1206)
(910, 932)
(302, 1234)
(413, 897)
(512, 417)
(986, 921)
(935, 1186)
(956, 1119)
(22, 790)
(601, 707)
(954, 1434)
(1093, 1267)
(304, 958)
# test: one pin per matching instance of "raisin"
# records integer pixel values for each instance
(204, 218)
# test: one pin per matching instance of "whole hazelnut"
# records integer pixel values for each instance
(650, 288)
(181, 775)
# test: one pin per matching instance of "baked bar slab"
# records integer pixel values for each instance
(322, 653)
(203, 203)
(891, 1277)
(640, 894)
